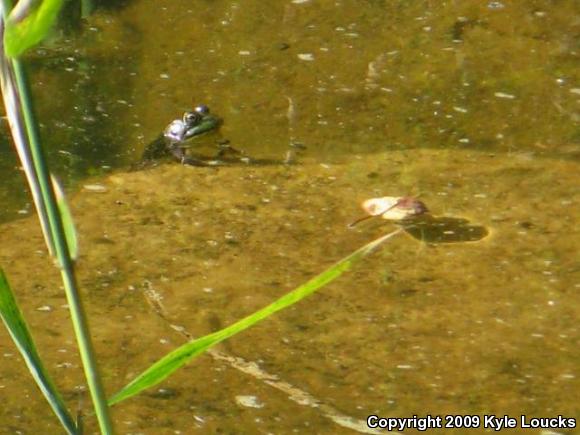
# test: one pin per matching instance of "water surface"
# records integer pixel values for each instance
(472, 107)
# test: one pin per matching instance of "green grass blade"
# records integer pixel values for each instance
(18, 101)
(12, 104)
(12, 318)
(67, 219)
(24, 33)
(180, 356)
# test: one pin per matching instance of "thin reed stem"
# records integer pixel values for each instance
(59, 243)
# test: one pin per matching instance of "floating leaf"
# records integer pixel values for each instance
(182, 355)
(12, 318)
(392, 208)
(24, 33)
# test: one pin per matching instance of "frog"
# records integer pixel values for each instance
(179, 136)
(178, 140)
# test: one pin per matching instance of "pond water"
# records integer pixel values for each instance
(471, 106)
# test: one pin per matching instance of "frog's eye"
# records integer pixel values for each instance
(191, 118)
(202, 109)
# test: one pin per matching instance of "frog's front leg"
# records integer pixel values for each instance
(224, 148)
(180, 154)
(177, 151)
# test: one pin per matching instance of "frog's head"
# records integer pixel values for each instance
(193, 123)
(199, 121)
(195, 116)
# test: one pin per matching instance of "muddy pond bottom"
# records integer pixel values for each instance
(423, 326)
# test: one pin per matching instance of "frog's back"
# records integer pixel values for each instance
(156, 150)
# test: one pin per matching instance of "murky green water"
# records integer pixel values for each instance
(472, 106)
(360, 76)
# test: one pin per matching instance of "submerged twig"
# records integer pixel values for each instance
(252, 368)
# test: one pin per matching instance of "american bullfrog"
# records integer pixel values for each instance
(178, 136)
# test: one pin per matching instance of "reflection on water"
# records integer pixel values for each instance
(432, 229)
(470, 106)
